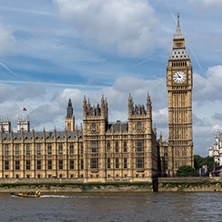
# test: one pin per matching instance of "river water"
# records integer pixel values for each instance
(128, 207)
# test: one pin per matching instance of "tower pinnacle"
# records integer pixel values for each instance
(70, 118)
(178, 33)
(178, 16)
(69, 110)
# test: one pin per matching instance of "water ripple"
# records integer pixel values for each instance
(113, 207)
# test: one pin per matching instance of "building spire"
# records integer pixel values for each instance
(178, 34)
(69, 110)
(178, 20)
(179, 50)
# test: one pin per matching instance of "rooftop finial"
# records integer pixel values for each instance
(178, 16)
(178, 33)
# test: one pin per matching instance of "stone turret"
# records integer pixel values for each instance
(106, 109)
(70, 118)
(23, 124)
(130, 106)
(84, 107)
(5, 126)
(95, 117)
(149, 106)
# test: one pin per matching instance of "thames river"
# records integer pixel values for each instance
(113, 207)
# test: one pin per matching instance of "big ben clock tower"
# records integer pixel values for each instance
(179, 80)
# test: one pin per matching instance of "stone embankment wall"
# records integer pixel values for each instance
(192, 184)
(68, 185)
(175, 184)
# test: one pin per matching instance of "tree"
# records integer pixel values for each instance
(209, 161)
(201, 161)
(186, 171)
(198, 161)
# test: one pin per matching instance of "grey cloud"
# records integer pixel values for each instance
(46, 113)
(29, 90)
(26, 91)
(217, 116)
(11, 110)
(200, 122)
(6, 92)
(203, 138)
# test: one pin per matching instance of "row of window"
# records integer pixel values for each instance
(39, 150)
(180, 151)
(39, 176)
(179, 63)
(139, 163)
(139, 127)
(94, 164)
(93, 148)
(81, 176)
(117, 176)
(39, 165)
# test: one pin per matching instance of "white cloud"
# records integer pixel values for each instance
(75, 94)
(161, 117)
(49, 108)
(139, 89)
(209, 88)
(204, 137)
(51, 101)
(7, 40)
(130, 26)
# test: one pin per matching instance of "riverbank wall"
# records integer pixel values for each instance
(166, 184)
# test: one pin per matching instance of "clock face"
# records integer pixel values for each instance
(179, 77)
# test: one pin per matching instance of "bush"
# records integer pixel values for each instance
(186, 171)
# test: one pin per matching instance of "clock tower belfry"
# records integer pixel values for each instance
(179, 80)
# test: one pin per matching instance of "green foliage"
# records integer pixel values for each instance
(186, 170)
(198, 161)
(201, 161)
(211, 163)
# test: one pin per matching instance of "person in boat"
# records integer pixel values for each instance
(37, 192)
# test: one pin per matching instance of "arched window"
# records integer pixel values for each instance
(139, 126)
(93, 127)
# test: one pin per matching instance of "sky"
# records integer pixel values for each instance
(53, 50)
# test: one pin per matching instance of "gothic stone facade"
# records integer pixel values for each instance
(178, 150)
(101, 151)
(216, 150)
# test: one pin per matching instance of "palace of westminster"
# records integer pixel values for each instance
(100, 151)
